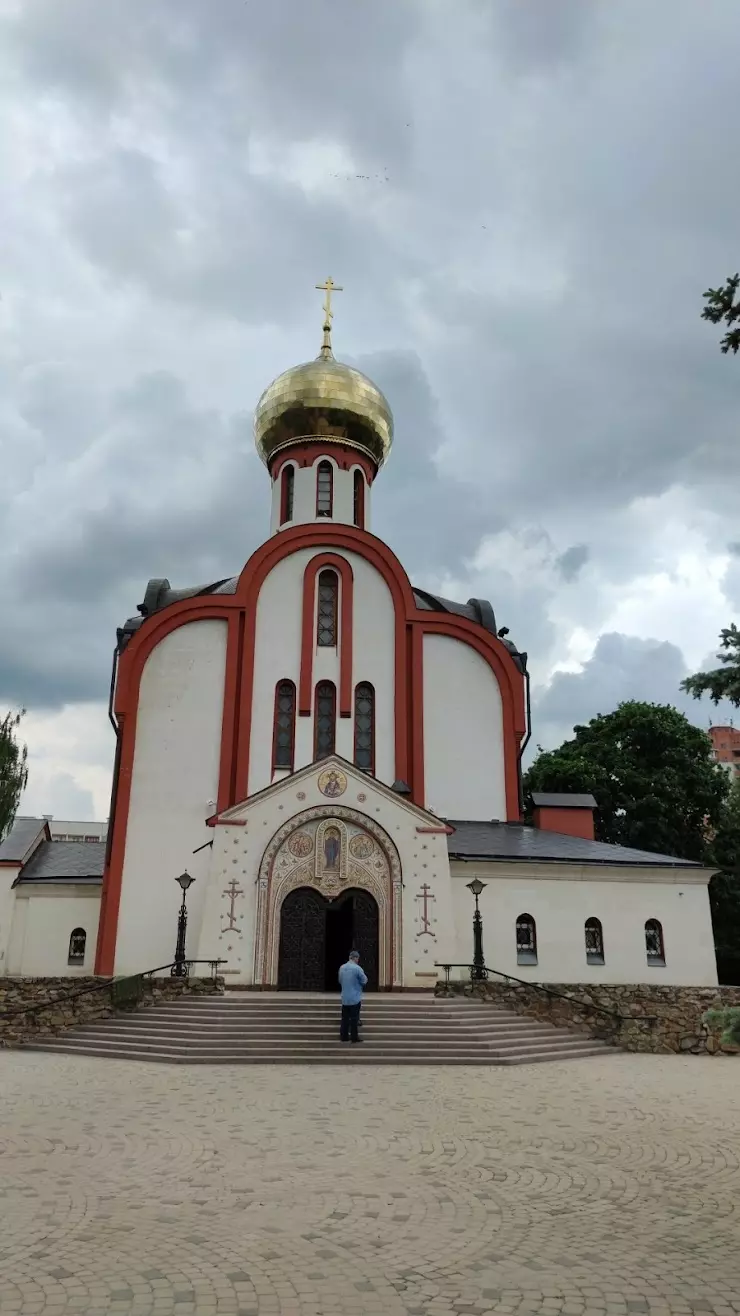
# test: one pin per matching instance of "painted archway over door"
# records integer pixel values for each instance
(333, 851)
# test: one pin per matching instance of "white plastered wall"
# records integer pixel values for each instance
(277, 657)
(7, 912)
(237, 853)
(43, 919)
(463, 732)
(560, 904)
(175, 774)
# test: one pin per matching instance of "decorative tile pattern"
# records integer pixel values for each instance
(590, 1188)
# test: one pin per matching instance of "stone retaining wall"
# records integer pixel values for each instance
(36, 1007)
(653, 1018)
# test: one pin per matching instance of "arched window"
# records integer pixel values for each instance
(365, 726)
(594, 941)
(324, 489)
(287, 485)
(326, 625)
(360, 499)
(526, 940)
(283, 734)
(77, 943)
(325, 719)
(654, 944)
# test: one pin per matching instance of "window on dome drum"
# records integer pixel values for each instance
(654, 944)
(594, 941)
(325, 719)
(365, 726)
(283, 736)
(286, 493)
(526, 940)
(326, 627)
(360, 500)
(77, 943)
(324, 489)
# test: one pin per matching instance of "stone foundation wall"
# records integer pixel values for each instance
(652, 1018)
(39, 1007)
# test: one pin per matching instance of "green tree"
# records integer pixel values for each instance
(723, 850)
(651, 773)
(13, 770)
(723, 682)
(721, 305)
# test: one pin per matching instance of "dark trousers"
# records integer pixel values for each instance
(350, 1020)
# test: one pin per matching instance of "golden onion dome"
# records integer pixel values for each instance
(324, 400)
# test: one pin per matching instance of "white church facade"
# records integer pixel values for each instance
(333, 755)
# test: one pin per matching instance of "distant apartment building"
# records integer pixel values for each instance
(726, 748)
(76, 831)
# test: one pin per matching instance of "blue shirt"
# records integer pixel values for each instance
(351, 980)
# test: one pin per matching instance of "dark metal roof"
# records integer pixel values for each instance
(65, 861)
(20, 839)
(520, 844)
(561, 800)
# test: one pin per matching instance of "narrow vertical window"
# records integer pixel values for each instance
(654, 944)
(283, 735)
(365, 726)
(77, 943)
(324, 489)
(325, 719)
(286, 493)
(526, 940)
(594, 941)
(360, 500)
(327, 609)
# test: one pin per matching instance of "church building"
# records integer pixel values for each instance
(333, 755)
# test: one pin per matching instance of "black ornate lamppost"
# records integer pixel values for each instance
(478, 973)
(180, 968)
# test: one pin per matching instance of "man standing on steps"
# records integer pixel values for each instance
(352, 979)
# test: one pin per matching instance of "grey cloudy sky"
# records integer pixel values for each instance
(524, 201)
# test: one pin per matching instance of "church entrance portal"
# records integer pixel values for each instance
(316, 936)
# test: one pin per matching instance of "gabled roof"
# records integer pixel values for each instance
(516, 843)
(21, 838)
(65, 861)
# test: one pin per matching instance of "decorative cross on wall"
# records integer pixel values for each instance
(425, 898)
(233, 891)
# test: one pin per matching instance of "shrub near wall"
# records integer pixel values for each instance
(651, 1018)
(40, 1007)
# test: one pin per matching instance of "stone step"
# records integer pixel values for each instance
(345, 1055)
(220, 1035)
(180, 1042)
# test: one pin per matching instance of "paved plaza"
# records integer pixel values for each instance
(607, 1186)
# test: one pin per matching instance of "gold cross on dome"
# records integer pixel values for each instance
(329, 286)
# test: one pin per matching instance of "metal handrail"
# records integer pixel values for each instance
(103, 986)
(549, 991)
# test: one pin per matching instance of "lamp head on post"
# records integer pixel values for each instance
(476, 886)
(185, 881)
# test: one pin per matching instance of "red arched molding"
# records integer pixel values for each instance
(510, 684)
(308, 631)
(307, 454)
(239, 610)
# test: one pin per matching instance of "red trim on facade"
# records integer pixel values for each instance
(308, 631)
(229, 822)
(239, 680)
(510, 684)
(10, 863)
(291, 765)
(307, 454)
(416, 720)
(435, 831)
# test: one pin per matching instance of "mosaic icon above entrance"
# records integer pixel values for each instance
(332, 783)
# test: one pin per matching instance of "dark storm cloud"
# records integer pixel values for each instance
(570, 562)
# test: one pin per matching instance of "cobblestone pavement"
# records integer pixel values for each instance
(607, 1186)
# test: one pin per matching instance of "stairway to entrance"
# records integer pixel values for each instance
(281, 1028)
